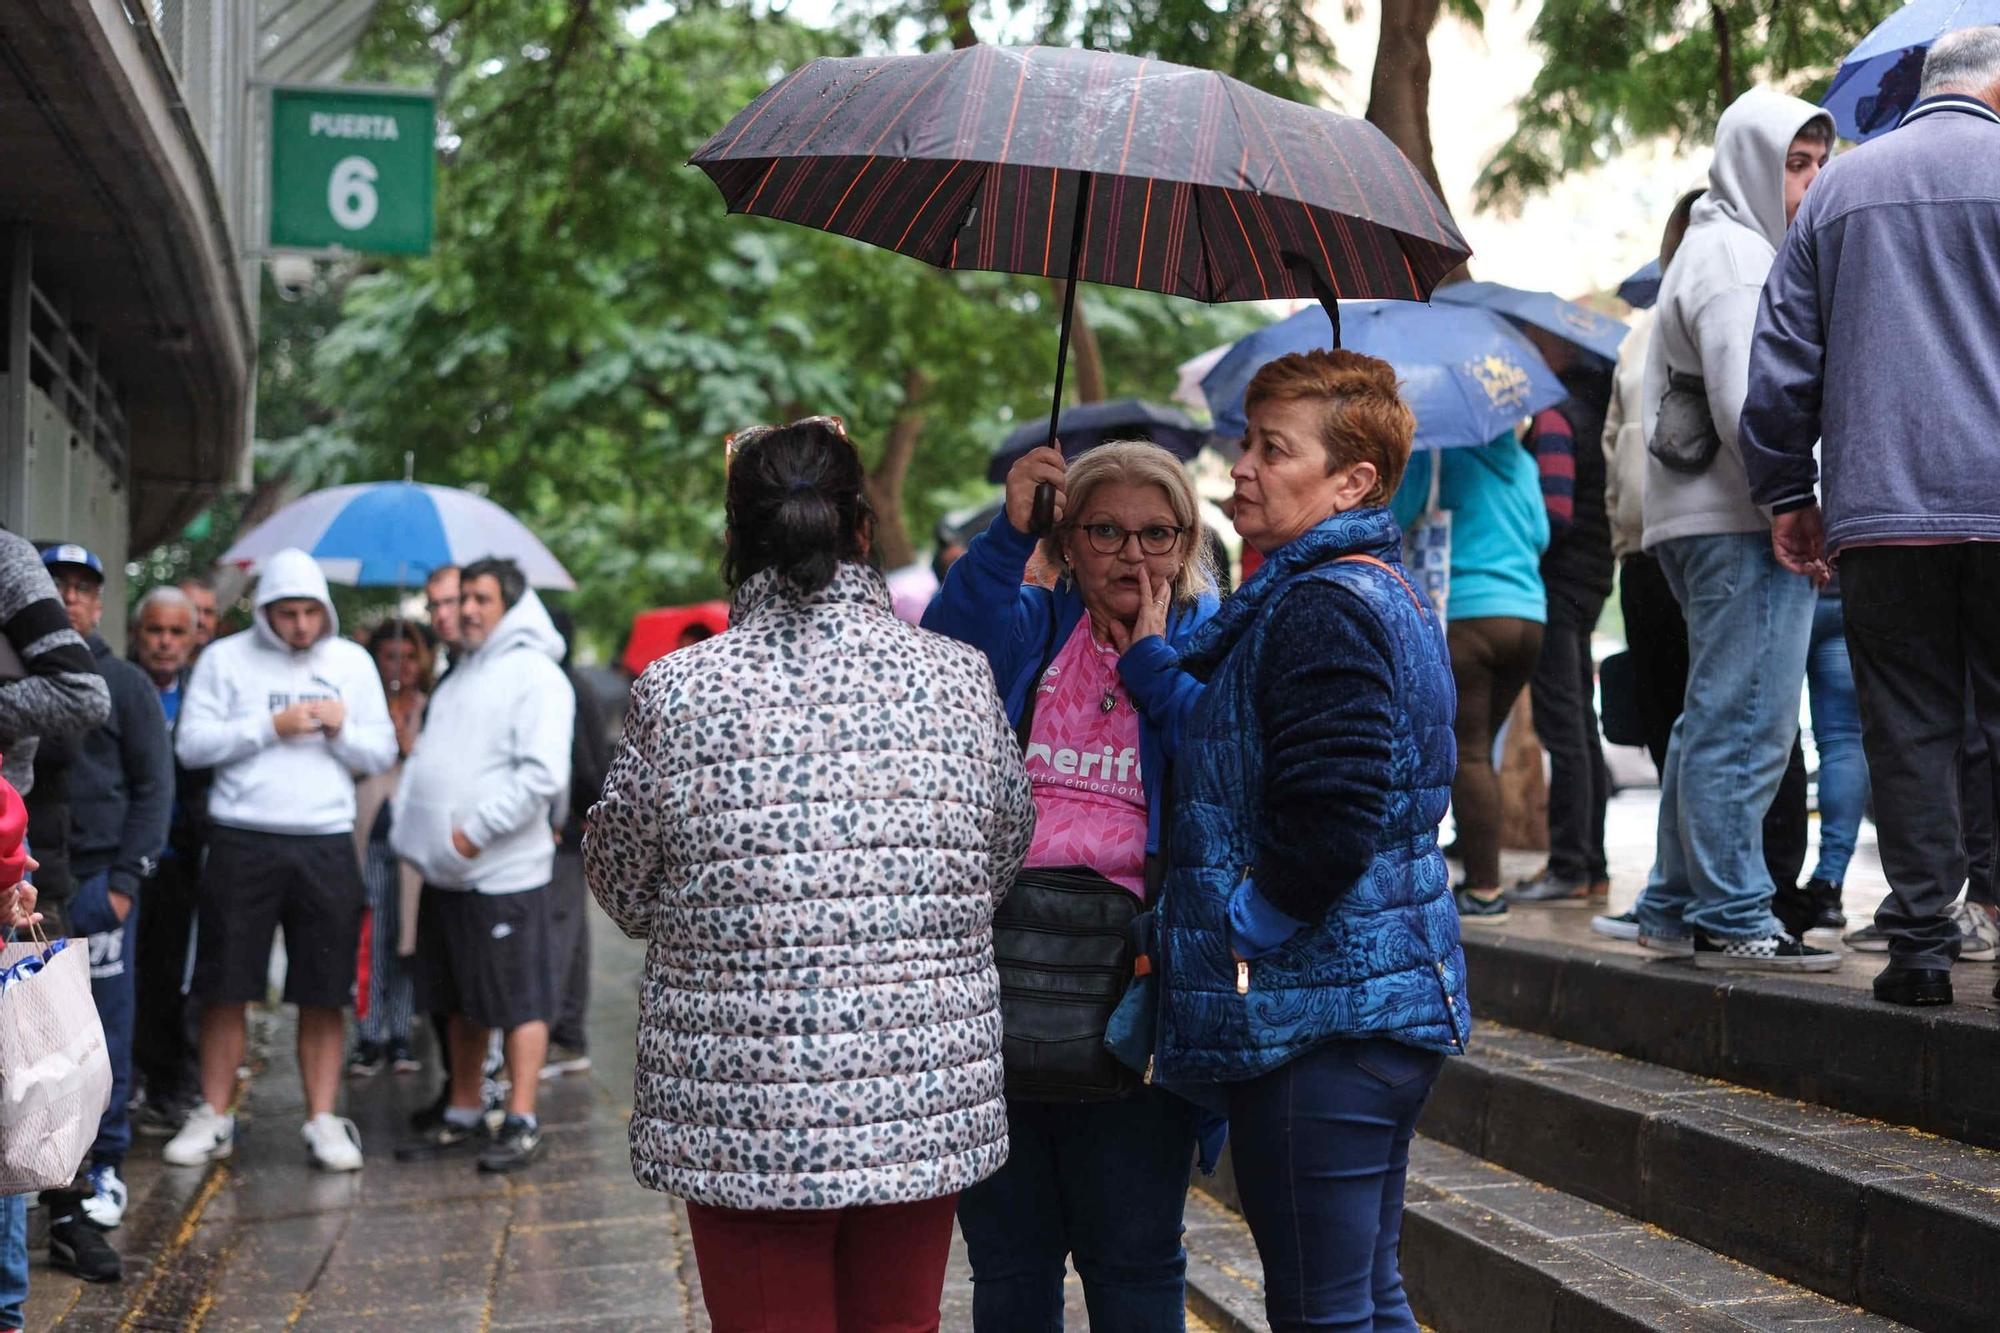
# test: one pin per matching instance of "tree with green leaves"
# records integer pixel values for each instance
(590, 323)
(1617, 72)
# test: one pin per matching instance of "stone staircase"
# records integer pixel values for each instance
(1632, 1144)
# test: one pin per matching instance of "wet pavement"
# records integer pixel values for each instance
(264, 1241)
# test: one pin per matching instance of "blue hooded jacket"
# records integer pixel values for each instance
(1019, 628)
(1378, 955)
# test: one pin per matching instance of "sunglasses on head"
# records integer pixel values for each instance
(734, 442)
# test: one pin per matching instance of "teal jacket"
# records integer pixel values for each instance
(1499, 527)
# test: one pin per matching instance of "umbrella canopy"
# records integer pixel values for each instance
(1877, 82)
(1193, 183)
(1468, 374)
(1643, 288)
(1083, 428)
(1577, 325)
(1159, 177)
(389, 534)
(657, 633)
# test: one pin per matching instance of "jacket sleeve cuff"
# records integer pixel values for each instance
(1255, 927)
(1146, 663)
(1792, 504)
(123, 881)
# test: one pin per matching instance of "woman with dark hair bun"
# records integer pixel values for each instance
(810, 820)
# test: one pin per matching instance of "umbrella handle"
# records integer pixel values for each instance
(1043, 516)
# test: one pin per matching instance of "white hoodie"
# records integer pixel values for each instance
(1707, 312)
(301, 785)
(493, 762)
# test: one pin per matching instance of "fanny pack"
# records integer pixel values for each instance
(1062, 940)
(1684, 437)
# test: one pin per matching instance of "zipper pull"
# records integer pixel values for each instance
(1147, 1078)
(1242, 977)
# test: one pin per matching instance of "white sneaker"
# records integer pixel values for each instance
(208, 1136)
(1980, 932)
(333, 1141)
(106, 1204)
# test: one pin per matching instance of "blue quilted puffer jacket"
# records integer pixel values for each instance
(1386, 960)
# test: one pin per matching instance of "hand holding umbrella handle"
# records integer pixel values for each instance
(1043, 519)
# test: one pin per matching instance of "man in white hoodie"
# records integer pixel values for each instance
(287, 714)
(1749, 619)
(476, 813)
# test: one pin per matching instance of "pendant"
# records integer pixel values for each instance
(1109, 702)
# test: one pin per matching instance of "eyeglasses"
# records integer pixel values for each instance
(1110, 539)
(733, 443)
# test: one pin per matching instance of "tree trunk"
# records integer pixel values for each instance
(884, 485)
(1725, 55)
(1086, 358)
(1524, 788)
(1399, 91)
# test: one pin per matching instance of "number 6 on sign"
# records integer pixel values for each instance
(350, 193)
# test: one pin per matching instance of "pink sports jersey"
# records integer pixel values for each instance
(1083, 761)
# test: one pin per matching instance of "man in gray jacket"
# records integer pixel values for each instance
(1749, 619)
(476, 813)
(1877, 333)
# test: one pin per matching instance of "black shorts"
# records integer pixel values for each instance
(252, 883)
(485, 956)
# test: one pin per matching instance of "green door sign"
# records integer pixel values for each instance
(351, 168)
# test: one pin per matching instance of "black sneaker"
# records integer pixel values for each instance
(1477, 907)
(1549, 887)
(440, 1139)
(77, 1245)
(1826, 905)
(1773, 953)
(1794, 908)
(517, 1144)
(367, 1061)
(431, 1115)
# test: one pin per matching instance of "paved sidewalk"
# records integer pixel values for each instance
(265, 1242)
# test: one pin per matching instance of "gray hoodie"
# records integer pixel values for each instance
(1708, 311)
(493, 762)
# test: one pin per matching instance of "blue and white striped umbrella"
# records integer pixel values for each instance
(388, 534)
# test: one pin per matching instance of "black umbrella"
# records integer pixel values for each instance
(1099, 167)
(1083, 428)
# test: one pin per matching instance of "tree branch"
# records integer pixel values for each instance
(1725, 55)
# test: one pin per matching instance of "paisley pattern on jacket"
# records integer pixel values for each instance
(811, 820)
(1386, 961)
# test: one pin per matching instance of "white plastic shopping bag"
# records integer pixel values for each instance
(55, 1073)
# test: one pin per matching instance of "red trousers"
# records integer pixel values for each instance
(843, 1270)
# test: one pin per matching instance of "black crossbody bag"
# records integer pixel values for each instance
(1062, 940)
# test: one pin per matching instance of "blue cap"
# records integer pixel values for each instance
(69, 553)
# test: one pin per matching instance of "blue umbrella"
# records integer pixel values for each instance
(1468, 374)
(1084, 427)
(1643, 288)
(390, 534)
(1577, 325)
(1877, 82)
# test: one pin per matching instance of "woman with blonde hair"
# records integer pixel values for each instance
(1088, 673)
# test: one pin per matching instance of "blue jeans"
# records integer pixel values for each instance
(1749, 623)
(13, 1261)
(113, 948)
(1321, 1146)
(1103, 1181)
(1836, 728)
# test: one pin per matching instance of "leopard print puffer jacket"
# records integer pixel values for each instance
(811, 820)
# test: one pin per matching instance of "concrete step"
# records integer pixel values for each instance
(1821, 1040)
(1903, 1224)
(1489, 1251)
